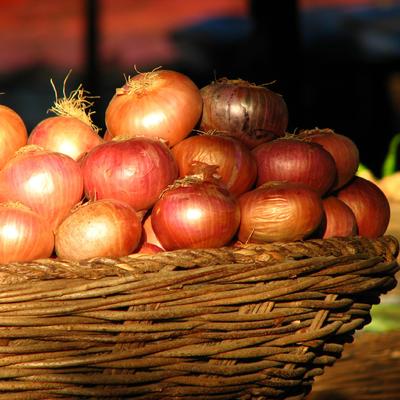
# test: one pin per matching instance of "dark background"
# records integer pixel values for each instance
(336, 63)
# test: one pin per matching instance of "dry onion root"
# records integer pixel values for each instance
(71, 131)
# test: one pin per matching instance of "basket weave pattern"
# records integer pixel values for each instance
(254, 322)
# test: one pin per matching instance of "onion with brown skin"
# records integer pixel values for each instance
(253, 114)
(161, 104)
(369, 205)
(236, 164)
(195, 213)
(294, 160)
(49, 183)
(279, 211)
(13, 133)
(24, 234)
(102, 228)
(71, 131)
(339, 219)
(343, 150)
(134, 170)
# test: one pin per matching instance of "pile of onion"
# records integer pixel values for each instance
(161, 104)
(71, 131)
(235, 107)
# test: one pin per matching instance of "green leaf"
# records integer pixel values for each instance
(390, 163)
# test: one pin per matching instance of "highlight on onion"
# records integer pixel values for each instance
(339, 219)
(343, 150)
(236, 164)
(369, 205)
(47, 182)
(294, 160)
(13, 133)
(235, 107)
(134, 170)
(279, 211)
(24, 234)
(161, 104)
(195, 213)
(102, 228)
(71, 131)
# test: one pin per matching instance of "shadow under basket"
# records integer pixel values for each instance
(251, 322)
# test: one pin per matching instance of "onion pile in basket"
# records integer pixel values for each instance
(177, 167)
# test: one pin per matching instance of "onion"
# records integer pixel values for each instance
(279, 211)
(254, 114)
(13, 134)
(71, 131)
(24, 234)
(149, 248)
(338, 220)
(294, 160)
(132, 170)
(194, 213)
(160, 104)
(369, 205)
(343, 150)
(49, 183)
(236, 165)
(102, 228)
(66, 135)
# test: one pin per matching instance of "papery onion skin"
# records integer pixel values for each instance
(66, 135)
(102, 228)
(236, 164)
(49, 183)
(279, 211)
(24, 234)
(133, 170)
(369, 205)
(162, 104)
(343, 150)
(294, 160)
(13, 133)
(338, 221)
(253, 114)
(148, 234)
(199, 215)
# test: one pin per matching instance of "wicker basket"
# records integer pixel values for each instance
(253, 322)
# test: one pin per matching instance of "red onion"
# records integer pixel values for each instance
(161, 104)
(254, 114)
(13, 134)
(102, 228)
(24, 234)
(236, 165)
(194, 213)
(134, 170)
(49, 183)
(343, 150)
(293, 160)
(369, 205)
(339, 219)
(279, 211)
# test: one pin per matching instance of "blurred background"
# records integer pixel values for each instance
(336, 62)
